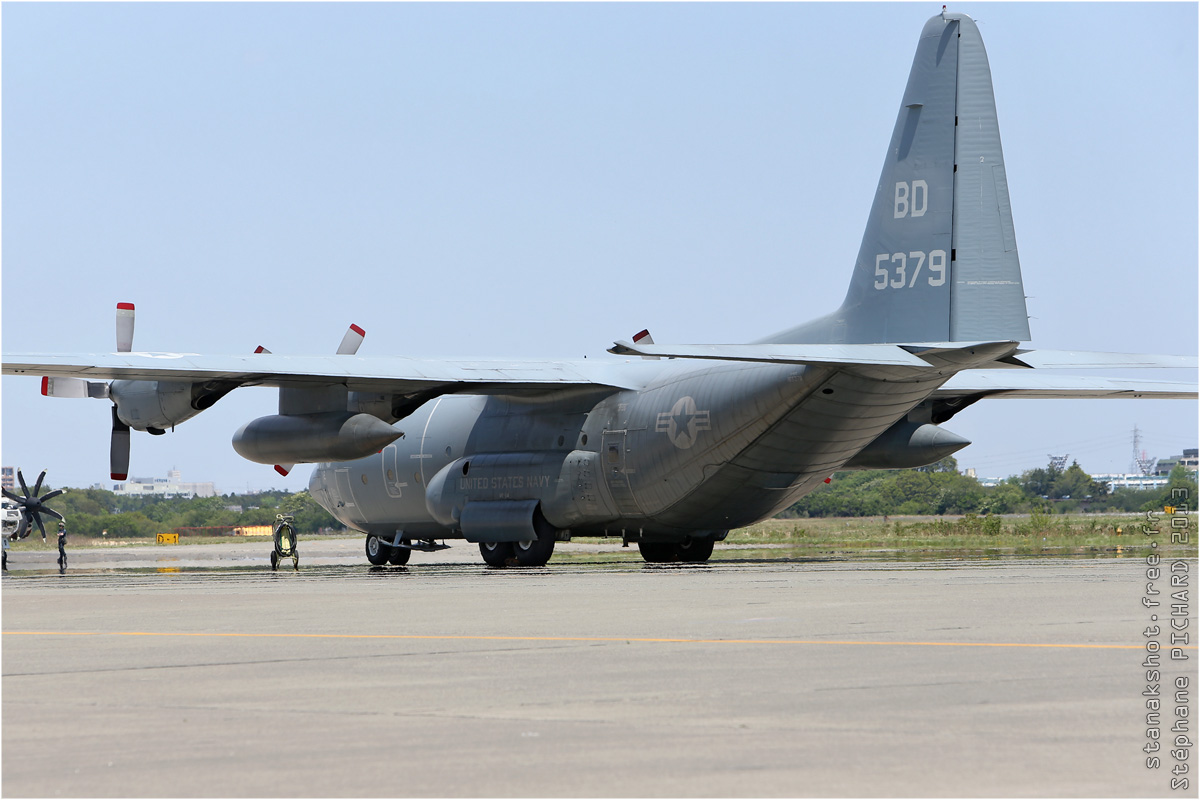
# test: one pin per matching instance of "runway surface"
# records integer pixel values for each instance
(1001, 677)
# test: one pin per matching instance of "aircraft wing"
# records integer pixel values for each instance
(395, 374)
(1027, 384)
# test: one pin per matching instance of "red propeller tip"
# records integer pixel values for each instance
(357, 330)
(119, 476)
(281, 470)
(125, 306)
(46, 386)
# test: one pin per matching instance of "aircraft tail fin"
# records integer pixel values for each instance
(938, 260)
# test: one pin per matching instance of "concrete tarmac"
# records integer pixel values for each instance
(209, 675)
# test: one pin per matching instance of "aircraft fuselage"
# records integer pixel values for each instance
(698, 450)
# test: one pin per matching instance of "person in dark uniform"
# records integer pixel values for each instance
(62, 546)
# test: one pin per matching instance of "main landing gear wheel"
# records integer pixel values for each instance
(377, 552)
(534, 552)
(274, 560)
(696, 550)
(399, 555)
(496, 554)
(659, 552)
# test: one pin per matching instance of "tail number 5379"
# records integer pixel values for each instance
(902, 270)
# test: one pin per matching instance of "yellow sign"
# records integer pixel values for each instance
(1169, 509)
(168, 538)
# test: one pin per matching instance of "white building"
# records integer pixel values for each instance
(1136, 481)
(170, 486)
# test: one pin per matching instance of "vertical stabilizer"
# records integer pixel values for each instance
(938, 260)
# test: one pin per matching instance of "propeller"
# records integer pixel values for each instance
(645, 338)
(32, 505)
(118, 452)
(349, 346)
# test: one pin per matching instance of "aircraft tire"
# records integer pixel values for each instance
(659, 552)
(377, 551)
(496, 554)
(696, 550)
(274, 560)
(534, 552)
(399, 555)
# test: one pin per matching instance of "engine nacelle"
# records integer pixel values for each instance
(307, 438)
(908, 444)
(153, 406)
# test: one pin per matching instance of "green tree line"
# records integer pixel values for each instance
(942, 489)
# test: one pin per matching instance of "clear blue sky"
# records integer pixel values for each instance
(538, 180)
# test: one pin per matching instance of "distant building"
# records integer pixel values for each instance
(1190, 460)
(8, 478)
(170, 486)
(1126, 481)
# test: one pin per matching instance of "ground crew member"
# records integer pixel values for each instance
(62, 545)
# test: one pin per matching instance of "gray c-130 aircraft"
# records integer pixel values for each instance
(670, 446)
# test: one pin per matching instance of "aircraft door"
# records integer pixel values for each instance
(392, 479)
(345, 496)
(616, 472)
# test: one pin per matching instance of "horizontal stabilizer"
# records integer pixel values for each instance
(883, 355)
(1079, 359)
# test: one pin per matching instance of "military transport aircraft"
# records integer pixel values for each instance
(670, 445)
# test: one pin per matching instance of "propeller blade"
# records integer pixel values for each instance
(284, 469)
(350, 342)
(261, 349)
(38, 519)
(118, 451)
(124, 327)
(54, 514)
(64, 387)
(645, 338)
(51, 496)
(24, 526)
(24, 486)
(11, 496)
(37, 487)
